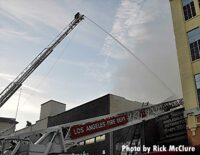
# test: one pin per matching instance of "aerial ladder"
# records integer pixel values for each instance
(18, 81)
(59, 139)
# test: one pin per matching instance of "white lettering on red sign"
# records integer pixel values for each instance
(77, 131)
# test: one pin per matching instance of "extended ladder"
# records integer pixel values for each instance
(18, 81)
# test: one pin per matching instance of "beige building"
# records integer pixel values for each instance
(186, 21)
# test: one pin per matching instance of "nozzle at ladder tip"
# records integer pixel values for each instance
(78, 15)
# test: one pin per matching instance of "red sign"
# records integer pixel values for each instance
(78, 131)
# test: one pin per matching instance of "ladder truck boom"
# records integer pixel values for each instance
(17, 82)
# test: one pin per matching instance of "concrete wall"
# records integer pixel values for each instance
(39, 125)
(94, 108)
(51, 108)
(5, 125)
(121, 104)
(6, 128)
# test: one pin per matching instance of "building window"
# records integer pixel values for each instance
(199, 3)
(197, 81)
(194, 41)
(100, 138)
(194, 47)
(90, 141)
(81, 143)
(188, 9)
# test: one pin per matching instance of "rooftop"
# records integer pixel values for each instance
(8, 120)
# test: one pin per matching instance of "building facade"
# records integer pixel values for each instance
(186, 21)
(171, 127)
(103, 144)
(168, 129)
(7, 125)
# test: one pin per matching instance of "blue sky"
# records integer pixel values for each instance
(88, 63)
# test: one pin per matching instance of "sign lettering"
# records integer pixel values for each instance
(78, 131)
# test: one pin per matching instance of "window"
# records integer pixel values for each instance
(197, 81)
(90, 141)
(194, 47)
(194, 41)
(199, 3)
(188, 9)
(81, 143)
(100, 138)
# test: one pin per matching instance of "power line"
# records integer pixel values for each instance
(20, 91)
